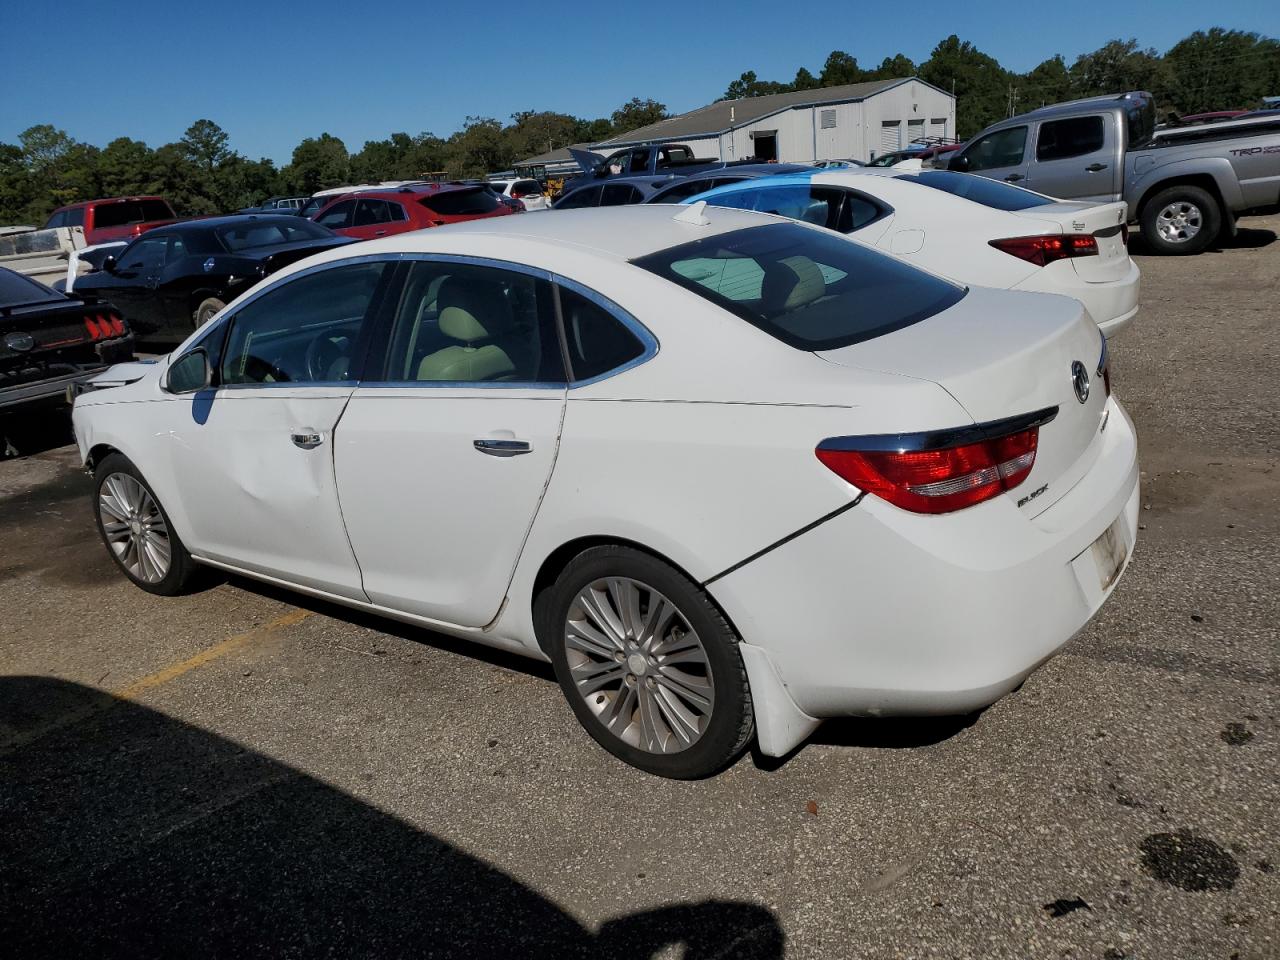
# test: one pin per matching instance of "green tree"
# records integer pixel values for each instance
(982, 87)
(127, 167)
(805, 80)
(478, 148)
(1220, 70)
(749, 85)
(840, 68)
(893, 68)
(318, 162)
(637, 113)
(1049, 82)
(1115, 67)
(534, 132)
(205, 145)
(592, 131)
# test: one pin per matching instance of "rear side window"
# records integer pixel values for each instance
(989, 193)
(370, 212)
(463, 203)
(598, 342)
(1073, 137)
(810, 289)
(133, 211)
(841, 210)
(688, 188)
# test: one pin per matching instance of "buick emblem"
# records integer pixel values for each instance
(1080, 380)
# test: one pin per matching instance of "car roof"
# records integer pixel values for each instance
(90, 203)
(207, 223)
(409, 191)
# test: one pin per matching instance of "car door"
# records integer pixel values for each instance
(254, 454)
(338, 217)
(370, 219)
(1000, 155)
(1075, 158)
(179, 277)
(443, 455)
(131, 286)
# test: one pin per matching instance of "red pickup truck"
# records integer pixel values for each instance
(115, 218)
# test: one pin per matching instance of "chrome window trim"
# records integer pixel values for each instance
(638, 329)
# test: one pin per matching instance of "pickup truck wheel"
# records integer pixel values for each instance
(207, 310)
(1181, 220)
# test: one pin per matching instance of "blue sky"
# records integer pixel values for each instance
(271, 73)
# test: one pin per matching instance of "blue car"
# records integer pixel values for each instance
(621, 191)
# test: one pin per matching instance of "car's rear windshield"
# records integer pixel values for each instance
(459, 203)
(811, 289)
(989, 193)
(17, 290)
(246, 236)
(132, 211)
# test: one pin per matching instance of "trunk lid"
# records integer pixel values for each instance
(1105, 222)
(1001, 354)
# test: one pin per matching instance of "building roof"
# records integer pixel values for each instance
(725, 115)
(560, 155)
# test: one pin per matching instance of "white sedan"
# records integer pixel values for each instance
(966, 227)
(729, 473)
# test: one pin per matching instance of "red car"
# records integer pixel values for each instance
(366, 214)
(114, 218)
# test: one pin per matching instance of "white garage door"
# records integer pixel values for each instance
(938, 128)
(915, 130)
(890, 136)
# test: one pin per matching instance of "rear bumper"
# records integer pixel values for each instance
(108, 352)
(1113, 304)
(879, 611)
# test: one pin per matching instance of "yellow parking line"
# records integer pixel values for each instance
(152, 680)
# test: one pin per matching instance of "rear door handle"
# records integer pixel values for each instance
(1014, 177)
(1095, 167)
(306, 438)
(503, 448)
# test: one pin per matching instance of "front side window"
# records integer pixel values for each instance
(598, 342)
(144, 256)
(586, 197)
(619, 195)
(1073, 137)
(1003, 148)
(74, 217)
(304, 330)
(640, 161)
(58, 219)
(810, 289)
(462, 323)
(841, 210)
(338, 216)
(687, 188)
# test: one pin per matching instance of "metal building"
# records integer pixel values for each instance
(857, 121)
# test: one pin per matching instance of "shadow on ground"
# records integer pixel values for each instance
(129, 833)
(1246, 238)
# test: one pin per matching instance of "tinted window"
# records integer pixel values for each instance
(17, 289)
(133, 211)
(989, 193)
(619, 195)
(586, 197)
(598, 342)
(463, 203)
(370, 212)
(688, 188)
(1073, 137)
(258, 233)
(526, 188)
(303, 331)
(310, 207)
(338, 216)
(59, 219)
(74, 217)
(640, 161)
(830, 207)
(459, 323)
(396, 211)
(811, 289)
(143, 256)
(1000, 149)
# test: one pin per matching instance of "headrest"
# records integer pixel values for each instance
(791, 283)
(472, 309)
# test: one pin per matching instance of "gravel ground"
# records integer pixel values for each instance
(246, 772)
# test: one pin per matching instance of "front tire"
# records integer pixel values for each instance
(136, 530)
(1181, 220)
(649, 665)
(207, 310)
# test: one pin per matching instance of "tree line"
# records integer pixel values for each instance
(202, 174)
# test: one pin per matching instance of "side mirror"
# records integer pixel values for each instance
(189, 373)
(960, 164)
(109, 264)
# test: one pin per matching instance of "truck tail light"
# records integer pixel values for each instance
(938, 480)
(1048, 249)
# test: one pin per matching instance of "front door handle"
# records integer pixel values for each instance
(503, 448)
(1014, 178)
(306, 438)
(380, 233)
(1095, 167)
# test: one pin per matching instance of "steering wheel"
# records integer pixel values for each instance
(324, 354)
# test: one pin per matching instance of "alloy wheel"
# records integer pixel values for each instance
(1179, 221)
(134, 527)
(639, 666)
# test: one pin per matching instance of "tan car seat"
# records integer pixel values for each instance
(477, 315)
(789, 284)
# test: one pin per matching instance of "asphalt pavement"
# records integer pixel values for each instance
(245, 772)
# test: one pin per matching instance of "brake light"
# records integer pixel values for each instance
(1045, 250)
(103, 326)
(939, 480)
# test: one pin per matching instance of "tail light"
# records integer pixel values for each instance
(941, 477)
(1045, 250)
(103, 326)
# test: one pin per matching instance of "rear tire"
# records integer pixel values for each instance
(136, 530)
(649, 665)
(207, 310)
(1181, 220)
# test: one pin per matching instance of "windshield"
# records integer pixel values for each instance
(989, 193)
(811, 289)
(268, 233)
(461, 203)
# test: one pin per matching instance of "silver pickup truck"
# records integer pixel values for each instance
(1184, 186)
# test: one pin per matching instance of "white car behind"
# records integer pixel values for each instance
(730, 474)
(965, 227)
(528, 192)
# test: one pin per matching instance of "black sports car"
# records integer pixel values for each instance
(175, 278)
